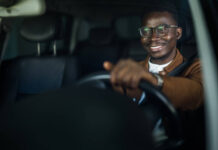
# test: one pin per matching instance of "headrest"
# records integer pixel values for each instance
(39, 29)
(100, 36)
(188, 31)
(127, 27)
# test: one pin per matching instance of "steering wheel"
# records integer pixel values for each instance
(102, 79)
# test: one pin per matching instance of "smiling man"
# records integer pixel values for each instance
(159, 35)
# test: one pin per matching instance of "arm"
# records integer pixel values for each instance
(126, 75)
(185, 92)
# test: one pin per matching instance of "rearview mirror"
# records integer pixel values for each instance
(22, 8)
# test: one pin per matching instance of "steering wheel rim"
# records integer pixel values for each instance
(161, 100)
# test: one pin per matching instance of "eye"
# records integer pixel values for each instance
(161, 29)
(146, 30)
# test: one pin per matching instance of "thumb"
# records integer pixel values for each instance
(108, 65)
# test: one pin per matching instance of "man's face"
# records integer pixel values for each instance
(161, 48)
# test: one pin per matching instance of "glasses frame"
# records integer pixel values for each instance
(155, 29)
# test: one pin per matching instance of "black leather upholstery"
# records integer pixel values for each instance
(39, 29)
(100, 46)
(127, 32)
(187, 44)
(101, 36)
(28, 75)
(33, 75)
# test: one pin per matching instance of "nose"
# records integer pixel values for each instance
(154, 36)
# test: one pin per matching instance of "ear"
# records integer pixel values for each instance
(178, 33)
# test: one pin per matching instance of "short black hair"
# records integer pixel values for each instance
(161, 6)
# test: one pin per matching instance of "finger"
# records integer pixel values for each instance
(125, 77)
(130, 77)
(118, 89)
(122, 73)
(115, 73)
(135, 81)
(108, 65)
(121, 77)
(119, 66)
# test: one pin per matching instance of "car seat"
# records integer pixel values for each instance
(100, 46)
(28, 75)
(126, 28)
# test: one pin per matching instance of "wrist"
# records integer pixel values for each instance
(159, 80)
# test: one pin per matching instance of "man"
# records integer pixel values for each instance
(159, 35)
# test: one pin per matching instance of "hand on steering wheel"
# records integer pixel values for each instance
(128, 73)
(101, 79)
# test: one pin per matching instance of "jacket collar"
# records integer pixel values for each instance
(176, 62)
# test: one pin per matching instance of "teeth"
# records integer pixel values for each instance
(155, 46)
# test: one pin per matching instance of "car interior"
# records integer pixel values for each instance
(71, 40)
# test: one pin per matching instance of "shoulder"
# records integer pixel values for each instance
(142, 62)
(194, 67)
(196, 63)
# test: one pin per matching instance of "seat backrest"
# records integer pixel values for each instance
(187, 44)
(41, 32)
(127, 32)
(99, 47)
(28, 75)
(32, 75)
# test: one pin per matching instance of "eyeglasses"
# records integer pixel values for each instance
(160, 30)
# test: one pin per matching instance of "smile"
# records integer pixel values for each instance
(156, 48)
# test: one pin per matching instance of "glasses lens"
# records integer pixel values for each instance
(161, 29)
(145, 31)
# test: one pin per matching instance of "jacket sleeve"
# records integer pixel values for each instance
(185, 92)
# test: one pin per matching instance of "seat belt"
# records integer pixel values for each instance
(178, 70)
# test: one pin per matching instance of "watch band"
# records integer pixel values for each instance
(160, 80)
